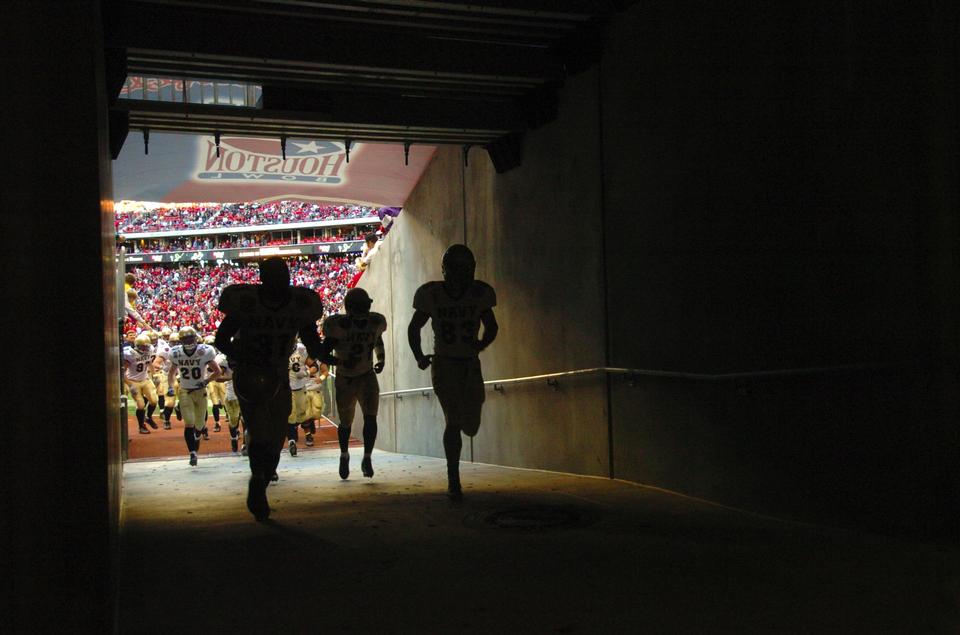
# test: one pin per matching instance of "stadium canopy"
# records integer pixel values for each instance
(180, 168)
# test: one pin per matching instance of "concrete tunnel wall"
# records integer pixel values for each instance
(550, 307)
(742, 216)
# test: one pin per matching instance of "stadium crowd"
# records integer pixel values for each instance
(211, 215)
(181, 295)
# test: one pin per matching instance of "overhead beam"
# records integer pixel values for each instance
(426, 123)
(160, 32)
(483, 20)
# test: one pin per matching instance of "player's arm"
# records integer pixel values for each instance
(378, 349)
(490, 329)
(171, 378)
(226, 374)
(223, 341)
(311, 340)
(417, 322)
(215, 371)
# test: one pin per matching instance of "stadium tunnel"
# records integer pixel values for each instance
(739, 224)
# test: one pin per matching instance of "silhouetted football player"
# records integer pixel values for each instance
(456, 306)
(352, 340)
(258, 335)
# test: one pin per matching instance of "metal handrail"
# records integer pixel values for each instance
(551, 378)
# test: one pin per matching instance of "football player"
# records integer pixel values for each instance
(215, 392)
(314, 388)
(297, 375)
(456, 306)
(258, 332)
(168, 339)
(350, 341)
(195, 364)
(230, 403)
(138, 363)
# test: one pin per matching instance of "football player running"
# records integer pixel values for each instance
(230, 402)
(215, 392)
(163, 352)
(457, 306)
(297, 375)
(195, 365)
(257, 335)
(314, 388)
(350, 341)
(138, 362)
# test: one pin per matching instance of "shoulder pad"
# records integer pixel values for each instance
(378, 318)
(237, 298)
(307, 301)
(483, 290)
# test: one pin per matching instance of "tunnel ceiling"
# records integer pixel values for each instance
(409, 71)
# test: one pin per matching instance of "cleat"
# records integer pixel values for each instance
(216, 426)
(257, 498)
(233, 445)
(143, 429)
(274, 477)
(206, 434)
(366, 466)
(166, 425)
(151, 423)
(344, 467)
(193, 460)
(454, 492)
(243, 450)
(309, 440)
(293, 448)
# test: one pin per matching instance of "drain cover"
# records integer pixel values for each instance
(534, 518)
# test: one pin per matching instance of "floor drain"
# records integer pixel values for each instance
(534, 518)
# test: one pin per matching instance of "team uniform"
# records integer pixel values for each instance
(264, 339)
(216, 394)
(314, 387)
(230, 402)
(192, 371)
(355, 382)
(353, 338)
(160, 381)
(137, 365)
(297, 376)
(455, 370)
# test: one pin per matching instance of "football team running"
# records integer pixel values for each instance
(267, 365)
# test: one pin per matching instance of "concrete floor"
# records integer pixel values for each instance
(392, 555)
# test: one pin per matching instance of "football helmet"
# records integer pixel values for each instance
(154, 337)
(165, 333)
(458, 265)
(188, 337)
(174, 338)
(357, 302)
(142, 343)
(209, 340)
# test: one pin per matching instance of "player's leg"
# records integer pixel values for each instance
(369, 399)
(293, 421)
(217, 393)
(346, 389)
(190, 436)
(232, 407)
(149, 390)
(134, 391)
(193, 405)
(447, 376)
(279, 413)
(314, 410)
